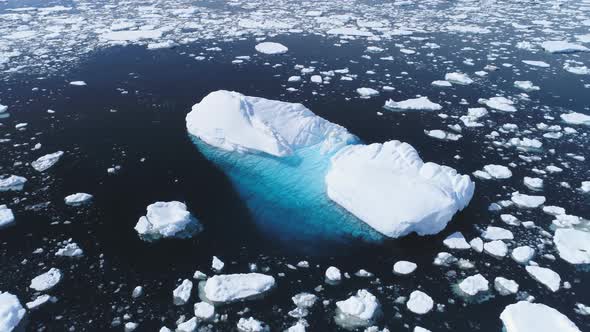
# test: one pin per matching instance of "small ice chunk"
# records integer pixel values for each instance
(404, 267)
(456, 241)
(505, 286)
(271, 48)
(12, 183)
(496, 248)
(70, 249)
(533, 183)
(476, 244)
(527, 201)
(358, 310)
(167, 219)
(498, 171)
(182, 293)
(37, 302)
(6, 216)
(204, 311)
(367, 92)
(78, 83)
(500, 103)
(251, 325)
(523, 254)
(418, 104)
(527, 86)
(234, 287)
(78, 199)
(420, 303)
(474, 284)
(545, 276)
(47, 161)
(333, 274)
(497, 233)
(188, 326)
(47, 280)
(458, 78)
(216, 264)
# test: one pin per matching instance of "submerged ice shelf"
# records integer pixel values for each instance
(301, 178)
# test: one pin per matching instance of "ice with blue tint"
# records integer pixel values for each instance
(287, 196)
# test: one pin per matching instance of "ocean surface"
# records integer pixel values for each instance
(131, 113)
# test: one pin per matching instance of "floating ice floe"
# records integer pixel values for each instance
(182, 293)
(534, 63)
(70, 249)
(473, 285)
(419, 303)
(527, 86)
(12, 183)
(443, 135)
(6, 216)
(217, 264)
(562, 46)
(252, 325)
(533, 183)
(3, 108)
(576, 118)
(496, 248)
(497, 233)
(78, 199)
(527, 201)
(499, 103)
(78, 83)
(545, 276)
(359, 310)
(404, 267)
(458, 78)
(271, 48)
(39, 301)
(505, 286)
(456, 241)
(523, 254)
(204, 311)
(229, 288)
(11, 312)
(47, 161)
(573, 245)
(535, 317)
(379, 183)
(47, 280)
(497, 172)
(167, 219)
(415, 104)
(367, 92)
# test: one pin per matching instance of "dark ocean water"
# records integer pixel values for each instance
(149, 123)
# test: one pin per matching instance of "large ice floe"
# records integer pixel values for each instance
(528, 317)
(167, 220)
(282, 155)
(11, 311)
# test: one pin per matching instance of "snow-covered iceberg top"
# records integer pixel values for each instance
(535, 317)
(167, 219)
(229, 288)
(234, 122)
(11, 311)
(390, 188)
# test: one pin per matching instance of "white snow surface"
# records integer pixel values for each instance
(535, 317)
(11, 311)
(573, 245)
(234, 122)
(380, 184)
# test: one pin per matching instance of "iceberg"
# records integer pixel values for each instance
(316, 175)
(390, 188)
(47, 161)
(165, 220)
